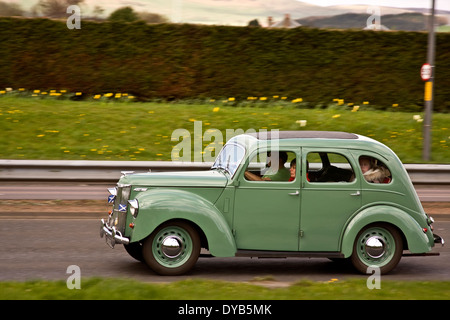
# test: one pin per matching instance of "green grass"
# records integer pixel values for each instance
(35, 128)
(119, 289)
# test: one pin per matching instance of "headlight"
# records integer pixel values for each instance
(134, 207)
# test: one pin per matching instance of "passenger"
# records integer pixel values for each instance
(292, 168)
(373, 173)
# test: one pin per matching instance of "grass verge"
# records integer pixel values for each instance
(119, 289)
(98, 130)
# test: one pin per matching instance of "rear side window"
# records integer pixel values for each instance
(329, 167)
(374, 170)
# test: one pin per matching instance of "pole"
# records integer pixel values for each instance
(429, 90)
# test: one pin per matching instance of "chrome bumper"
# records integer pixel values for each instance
(438, 239)
(112, 236)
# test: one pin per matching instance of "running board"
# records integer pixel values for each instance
(421, 254)
(287, 254)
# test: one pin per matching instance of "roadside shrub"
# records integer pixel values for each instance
(180, 61)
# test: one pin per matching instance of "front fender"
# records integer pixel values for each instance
(159, 205)
(418, 241)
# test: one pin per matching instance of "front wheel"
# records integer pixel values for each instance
(377, 245)
(172, 249)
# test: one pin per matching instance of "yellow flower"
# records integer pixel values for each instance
(336, 116)
(355, 108)
(366, 102)
(263, 98)
(231, 99)
(395, 105)
(97, 96)
(216, 109)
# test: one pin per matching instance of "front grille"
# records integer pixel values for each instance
(119, 215)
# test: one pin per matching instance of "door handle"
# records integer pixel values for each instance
(357, 193)
(296, 193)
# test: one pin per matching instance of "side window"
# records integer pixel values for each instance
(272, 166)
(374, 170)
(328, 167)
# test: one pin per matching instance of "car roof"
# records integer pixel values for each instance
(269, 135)
(337, 139)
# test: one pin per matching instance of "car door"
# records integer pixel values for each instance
(266, 213)
(328, 199)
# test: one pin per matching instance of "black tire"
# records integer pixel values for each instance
(134, 250)
(172, 249)
(377, 245)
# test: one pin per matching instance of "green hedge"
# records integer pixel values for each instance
(173, 61)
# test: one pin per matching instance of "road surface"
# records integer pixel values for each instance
(45, 248)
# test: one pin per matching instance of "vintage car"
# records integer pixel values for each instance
(336, 195)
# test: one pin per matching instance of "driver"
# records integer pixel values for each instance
(276, 170)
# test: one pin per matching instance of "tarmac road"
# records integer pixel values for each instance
(45, 248)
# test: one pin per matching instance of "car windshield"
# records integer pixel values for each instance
(229, 158)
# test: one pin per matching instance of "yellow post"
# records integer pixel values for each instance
(428, 91)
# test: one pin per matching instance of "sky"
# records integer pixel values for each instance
(439, 4)
(240, 12)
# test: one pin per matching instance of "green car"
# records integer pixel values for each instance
(275, 194)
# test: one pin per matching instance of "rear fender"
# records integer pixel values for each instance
(157, 206)
(417, 240)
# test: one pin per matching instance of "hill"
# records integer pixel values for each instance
(405, 21)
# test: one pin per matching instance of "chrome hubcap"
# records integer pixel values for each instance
(172, 246)
(375, 247)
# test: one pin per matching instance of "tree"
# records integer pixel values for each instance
(125, 14)
(254, 23)
(55, 8)
(10, 9)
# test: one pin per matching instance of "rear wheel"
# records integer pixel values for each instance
(377, 245)
(172, 249)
